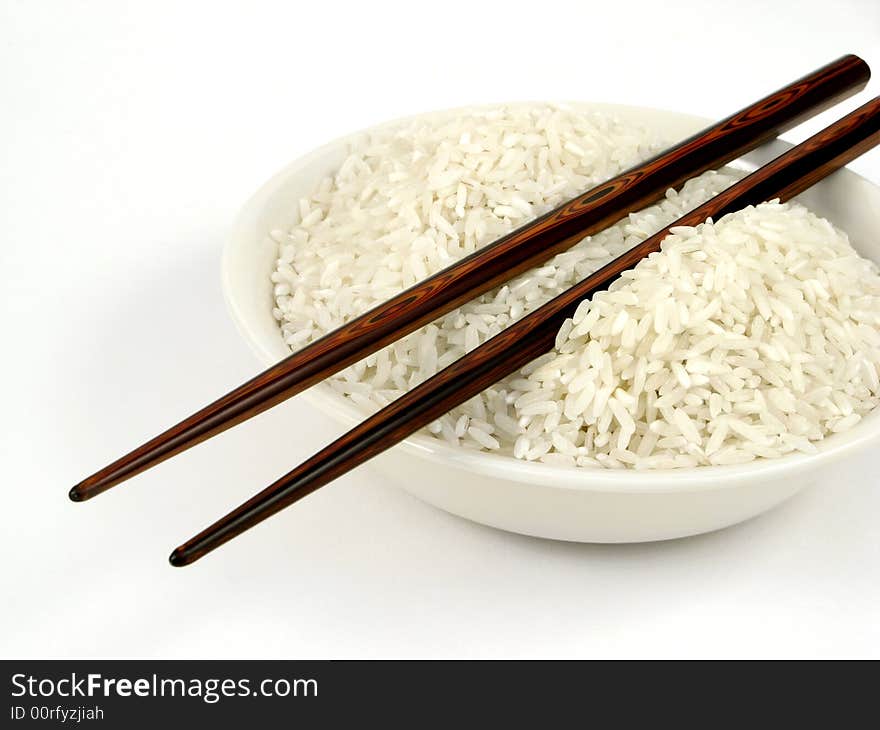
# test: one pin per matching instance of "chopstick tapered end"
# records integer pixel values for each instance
(77, 494)
(179, 558)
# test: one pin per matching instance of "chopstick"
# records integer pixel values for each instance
(511, 255)
(784, 177)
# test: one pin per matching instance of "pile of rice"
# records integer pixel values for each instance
(751, 337)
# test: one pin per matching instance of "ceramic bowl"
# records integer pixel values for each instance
(566, 503)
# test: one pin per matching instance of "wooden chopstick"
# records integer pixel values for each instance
(783, 178)
(502, 260)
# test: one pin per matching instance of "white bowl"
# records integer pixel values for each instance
(565, 503)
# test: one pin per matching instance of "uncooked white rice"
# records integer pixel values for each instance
(752, 337)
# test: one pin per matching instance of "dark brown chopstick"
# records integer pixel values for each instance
(784, 177)
(502, 260)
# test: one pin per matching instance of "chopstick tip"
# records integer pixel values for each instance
(76, 494)
(179, 558)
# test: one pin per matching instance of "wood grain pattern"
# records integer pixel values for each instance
(511, 255)
(784, 177)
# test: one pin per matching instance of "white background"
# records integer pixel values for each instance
(131, 133)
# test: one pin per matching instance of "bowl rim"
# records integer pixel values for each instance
(698, 478)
